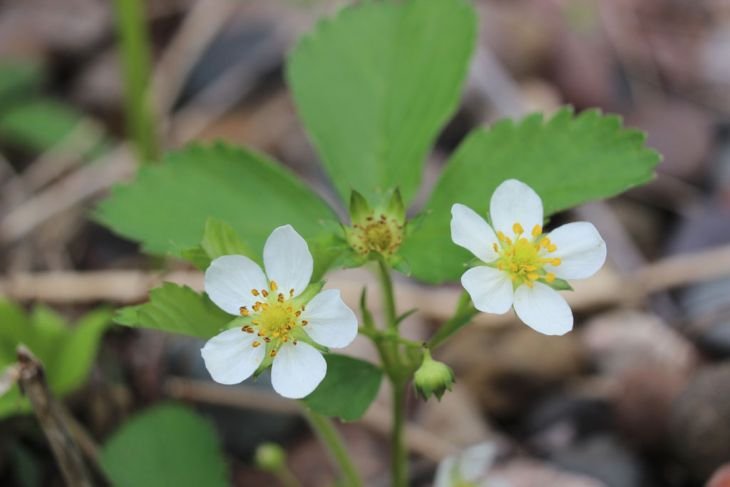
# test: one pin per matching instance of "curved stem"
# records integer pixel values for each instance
(399, 455)
(331, 438)
(462, 316)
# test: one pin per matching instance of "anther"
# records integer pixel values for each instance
(550, 277)
(536, 230)
(291, 292)
(552, 247)
(305, 322)
(243, 310)
(517, 228)
(280, 298)
(298, 313)
(256, 344)
(533, 276)
(272, 353)
(267, 339)
(255, 292)
(555, 262)
(495, 247)
(265, 293)
(273, 286)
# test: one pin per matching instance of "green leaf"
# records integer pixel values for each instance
(176, 309)
(167, 206)
(40, 124)
(347, 390)
(568, 160)
(375, 84)
(76, 355)
(165, 445)
(219, 239)
(66, 352)
(19, 77)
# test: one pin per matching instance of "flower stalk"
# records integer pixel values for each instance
(331, 438)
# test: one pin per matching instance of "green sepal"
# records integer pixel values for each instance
(559, 285)
(359, 207)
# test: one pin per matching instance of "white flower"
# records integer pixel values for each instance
(468, 468)
(520, 262)
(279, 324)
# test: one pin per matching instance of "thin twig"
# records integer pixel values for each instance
(51, 419)
(605, 289)
(377, 419)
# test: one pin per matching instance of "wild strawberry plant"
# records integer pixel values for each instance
(373, 86)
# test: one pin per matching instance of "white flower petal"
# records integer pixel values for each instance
(287, 260)
(580, 248)
(470, 465)
(543, 309)
(329, 321)
(229, 280)
(489, 288)
(475, 461)
(230, 358)
(471, 231)
(297, 370)
(447, 473)
(515, 202)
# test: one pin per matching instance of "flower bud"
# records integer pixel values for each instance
(270, 457)
(376, 230)
(433, 377)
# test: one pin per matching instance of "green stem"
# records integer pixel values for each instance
(287, 478)
(134, 49)
(331, 438)
(399, 455)
(386, 283)
(463, 315)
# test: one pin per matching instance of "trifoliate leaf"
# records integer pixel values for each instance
(167, 206)
(567, 159)
(375, 84)
(176, 309)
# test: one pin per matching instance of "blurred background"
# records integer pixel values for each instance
(637, 396)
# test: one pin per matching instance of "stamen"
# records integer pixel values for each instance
(256, 344)
(517, 228)
(280, 298)
(272, 353)
(552, 247)
(273, 286)
(495, 247)
(305, 322)
(291, 292)
(243, 310)
(536, 230)
(265, 293)
(555, 262)
(255, 292)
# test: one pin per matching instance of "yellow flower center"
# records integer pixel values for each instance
(274, 318)
(524, 258)
(376, 234)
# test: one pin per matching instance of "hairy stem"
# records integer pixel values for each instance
(332, 440)
(399, 454)
(386, 283)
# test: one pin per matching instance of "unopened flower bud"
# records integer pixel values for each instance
(270, 457)
(433, 378)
